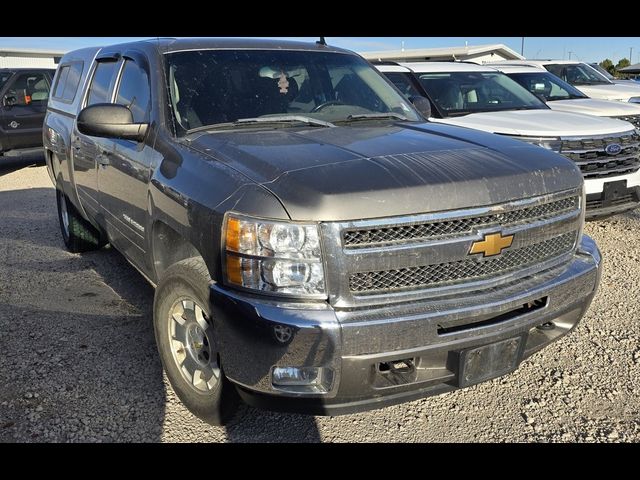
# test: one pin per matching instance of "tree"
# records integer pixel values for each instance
(622, 64)
(608, 66)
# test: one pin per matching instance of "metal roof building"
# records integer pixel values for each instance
(26, 57)
(635, 68)
(478, 53)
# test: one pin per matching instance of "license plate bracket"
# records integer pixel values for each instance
(612, 191)
(489, 361)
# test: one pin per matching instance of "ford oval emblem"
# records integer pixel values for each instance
(613, 149)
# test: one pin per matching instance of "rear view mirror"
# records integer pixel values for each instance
(111, 121)
(422, 104)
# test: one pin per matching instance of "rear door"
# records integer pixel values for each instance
(24, 104)
(90, 152)
(124, 183)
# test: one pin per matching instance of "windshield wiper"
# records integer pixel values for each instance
(265, 120)
(285, 118)
(374, 116)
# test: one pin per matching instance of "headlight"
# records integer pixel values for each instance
(634, 99)
(550, 143)
(275, 257)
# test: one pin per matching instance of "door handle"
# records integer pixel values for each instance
(103, 159)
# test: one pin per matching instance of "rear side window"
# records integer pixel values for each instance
(99, 90)
(68, 80)
(133, 91)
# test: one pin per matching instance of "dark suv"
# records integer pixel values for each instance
(315, 244)
(24, 93)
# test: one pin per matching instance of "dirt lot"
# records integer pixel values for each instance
(78, 359)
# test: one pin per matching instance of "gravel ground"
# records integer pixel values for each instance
(78, 359)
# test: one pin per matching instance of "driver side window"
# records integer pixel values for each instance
(28, 88)
(133, 91)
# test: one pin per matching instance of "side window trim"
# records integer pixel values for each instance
(116, 81)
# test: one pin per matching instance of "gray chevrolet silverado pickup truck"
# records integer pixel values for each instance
(316, 245)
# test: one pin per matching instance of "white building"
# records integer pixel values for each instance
(26, 57)
(470, 53)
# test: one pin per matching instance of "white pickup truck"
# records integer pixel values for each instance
(559, 95)
(585, 78)
(480, 97)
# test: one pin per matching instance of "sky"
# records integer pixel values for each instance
(588, 49)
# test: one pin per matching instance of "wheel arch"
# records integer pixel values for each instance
(169, 247)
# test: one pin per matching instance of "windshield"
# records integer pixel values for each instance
(4, 76)
(547, 85)
(603, 71)
(214, 87)
(577, 74)
(461, 93)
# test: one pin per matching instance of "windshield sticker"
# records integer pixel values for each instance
(283, 83)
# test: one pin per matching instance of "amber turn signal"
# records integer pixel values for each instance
(233, 235)
(234, 269)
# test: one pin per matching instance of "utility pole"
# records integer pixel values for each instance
(570, 52)
(522, 47)
(630, 55)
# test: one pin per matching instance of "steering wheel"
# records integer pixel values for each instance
(327, 104)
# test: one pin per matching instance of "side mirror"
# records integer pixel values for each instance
(111, 121)
(422, 104)
(9, 100)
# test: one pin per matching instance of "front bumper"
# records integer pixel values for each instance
(612, 201)
(355, 343)
(611, 196)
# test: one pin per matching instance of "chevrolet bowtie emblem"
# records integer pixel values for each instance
(491, 245)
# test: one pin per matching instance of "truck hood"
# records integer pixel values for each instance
(617, 91)
(592, 106)
(356, 172)
(538, 123)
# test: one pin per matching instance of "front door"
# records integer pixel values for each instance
(124, 182)
(24, 104)
(88, 153)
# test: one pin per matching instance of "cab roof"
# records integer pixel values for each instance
(167, 45)
(518, 68)
(434, 67)
(535, 63)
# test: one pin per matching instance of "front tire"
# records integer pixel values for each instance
(77, 233)
(186, 340)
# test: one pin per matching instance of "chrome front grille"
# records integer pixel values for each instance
(632, 119)
(458, 226)
(400, 259)
(442, 273)
(591, 156)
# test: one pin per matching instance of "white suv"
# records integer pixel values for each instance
(480, 97)
(584, 77)
(561, 96)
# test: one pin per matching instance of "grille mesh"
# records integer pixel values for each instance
(386, 235)
(632, 119)
(594, 162)
(470, 269)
